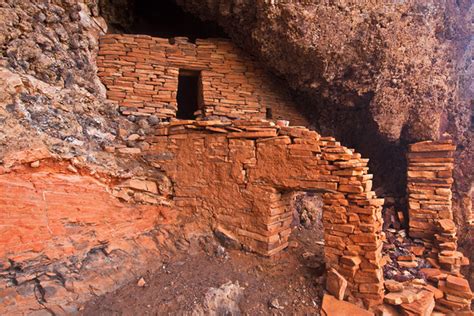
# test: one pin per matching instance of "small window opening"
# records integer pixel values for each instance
(189, 94)
(269, 114)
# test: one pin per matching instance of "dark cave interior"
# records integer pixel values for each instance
(162, 18)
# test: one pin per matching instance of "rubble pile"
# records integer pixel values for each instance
(410, 275)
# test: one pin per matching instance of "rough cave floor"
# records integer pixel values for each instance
(286, 284)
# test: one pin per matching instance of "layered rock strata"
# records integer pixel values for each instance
(66, 236)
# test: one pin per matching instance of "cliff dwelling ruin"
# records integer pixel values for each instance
(172, 157)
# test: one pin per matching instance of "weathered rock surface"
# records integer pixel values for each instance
(223, 300)
(50, 93)
(336, 50)
(369, 75)
(336, 284)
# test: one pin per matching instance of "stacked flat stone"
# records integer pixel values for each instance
(240, 173)
(141, 74)
(430, 167)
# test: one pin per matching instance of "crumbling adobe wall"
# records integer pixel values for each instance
(141, 74)
(236, 176)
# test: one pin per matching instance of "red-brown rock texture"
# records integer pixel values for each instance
(89, 197)
(65, 237)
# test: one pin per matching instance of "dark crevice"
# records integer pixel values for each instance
(354, 127)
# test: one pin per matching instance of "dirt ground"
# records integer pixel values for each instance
(291, 283)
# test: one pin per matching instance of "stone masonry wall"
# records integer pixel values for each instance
(141, 74)
(430, 178)
(235, 175)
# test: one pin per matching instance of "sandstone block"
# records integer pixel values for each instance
(351, 188)
(334, 307)
(430, 146)
(352, 261)
(336, 284)
(447, 225)
(393, 286)
(457, 283)
(398, 298)
(423, 306)
(408, 264)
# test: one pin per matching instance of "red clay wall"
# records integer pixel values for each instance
(141, 74)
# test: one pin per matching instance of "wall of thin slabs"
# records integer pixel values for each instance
(236, 175)
(430, 179)
(141, 74)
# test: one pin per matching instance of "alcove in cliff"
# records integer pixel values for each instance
(156, 18)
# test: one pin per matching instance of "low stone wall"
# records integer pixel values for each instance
(235, 175)
(141, 74)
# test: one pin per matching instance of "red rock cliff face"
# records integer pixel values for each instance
(64, 237)
(375, 75)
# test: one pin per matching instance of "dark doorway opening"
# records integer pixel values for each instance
(162, 18)
(189, 94)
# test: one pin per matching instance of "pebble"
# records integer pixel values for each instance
(273, 303)
(35, 164)
(141, 282)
